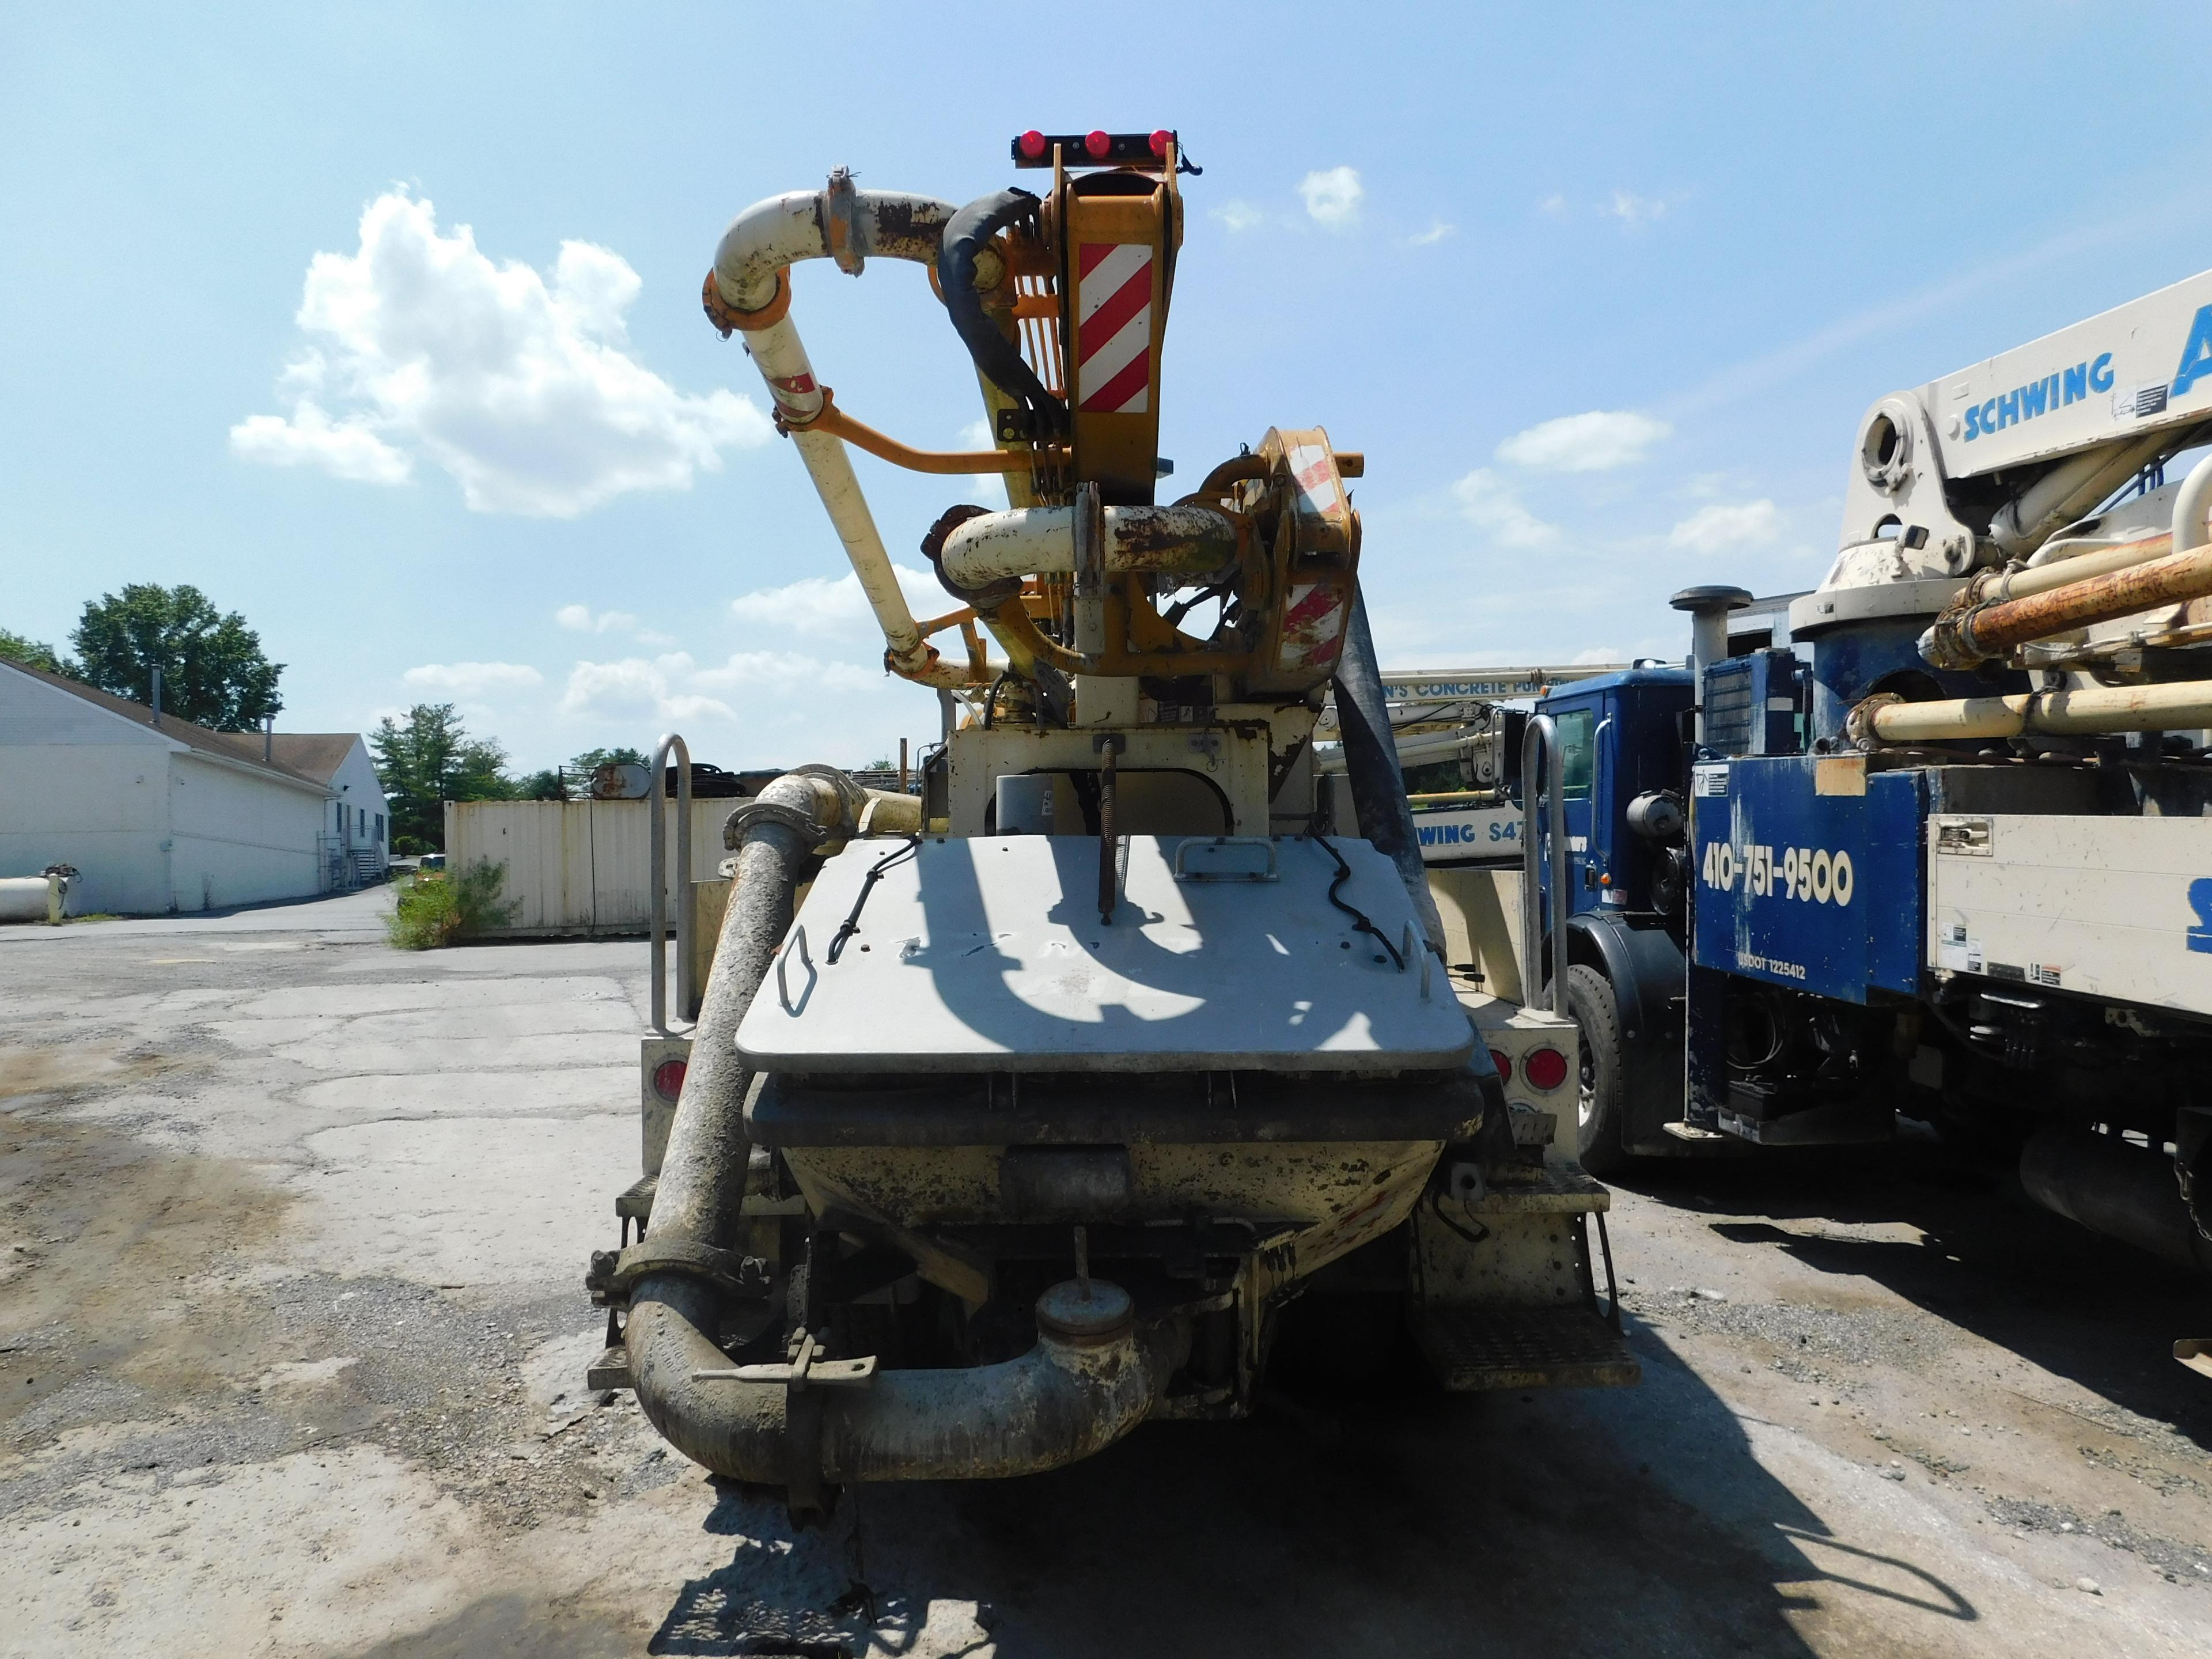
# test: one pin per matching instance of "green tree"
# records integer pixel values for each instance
(591, 759)
(33, 653)
(430, 760)
(546, 784)
(213, 671)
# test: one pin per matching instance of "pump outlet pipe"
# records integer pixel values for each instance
(1041, 541)
(1539, 744)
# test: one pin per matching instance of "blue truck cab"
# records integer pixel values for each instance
(1625, 742)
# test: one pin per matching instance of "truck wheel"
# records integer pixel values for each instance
(1603, 1080)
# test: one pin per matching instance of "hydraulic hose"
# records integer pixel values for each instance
(967, 235)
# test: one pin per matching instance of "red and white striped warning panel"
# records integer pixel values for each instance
(1319, 490)
(1114, 328)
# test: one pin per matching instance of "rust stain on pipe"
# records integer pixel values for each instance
(2169, 580)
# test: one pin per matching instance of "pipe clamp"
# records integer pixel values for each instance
(612, 1275)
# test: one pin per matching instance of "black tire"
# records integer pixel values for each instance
(1602, 1087)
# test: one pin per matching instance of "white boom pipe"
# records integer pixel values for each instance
(2080, 596)
(750, 274)
(2180, 705)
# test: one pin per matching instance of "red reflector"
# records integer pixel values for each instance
(1097, 143)
(1161, 140)
(668, 1078)
(1504, 1066)
(1033, 144)
(1544, 1068)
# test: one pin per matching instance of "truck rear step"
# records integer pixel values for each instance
(1472, 1349)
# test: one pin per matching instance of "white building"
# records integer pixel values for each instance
(157, 814)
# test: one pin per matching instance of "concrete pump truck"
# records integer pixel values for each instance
(1047, 1102)
(1948, 851)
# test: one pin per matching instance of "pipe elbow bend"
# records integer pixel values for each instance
(794, 225)
(1061, 1401)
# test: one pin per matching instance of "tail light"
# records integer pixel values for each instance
(1544, 1069)
(1032, 143)
(1098, 143)
(668, 1078)
(1504, 1064)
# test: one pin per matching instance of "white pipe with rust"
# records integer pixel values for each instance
(2079, 592)
(1884, 718)
(751, 276)
(1040, 541)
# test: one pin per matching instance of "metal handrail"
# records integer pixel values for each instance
(656, 905)
(1542, 739)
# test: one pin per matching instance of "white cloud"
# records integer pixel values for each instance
(1237, 216)
(1333, 197)
(638, 688)
(788, 673)
(834, 605)
(520, 385)
(1597, 441)
(1718, 528)
(347, 449)
(472, 679)
(579, 618)
(673, 687)
(1632, 210)
(1436, 232)
(984, 488)
(1490, 504)
(1593, 656)
(1554, 206)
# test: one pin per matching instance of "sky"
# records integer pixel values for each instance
(381, 324)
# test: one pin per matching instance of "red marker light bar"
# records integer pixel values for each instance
(1094, 149)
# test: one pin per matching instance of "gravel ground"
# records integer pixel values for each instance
(292, 1346)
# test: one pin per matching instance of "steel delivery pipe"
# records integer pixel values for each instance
(2078, 600)
(1885, 719)
(749, 290)
(1040, 541)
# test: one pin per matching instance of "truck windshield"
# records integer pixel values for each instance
(1575, 752)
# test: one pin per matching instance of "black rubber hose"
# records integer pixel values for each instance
(997, 358)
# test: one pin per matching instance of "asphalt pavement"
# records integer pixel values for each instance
(292, 1340)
